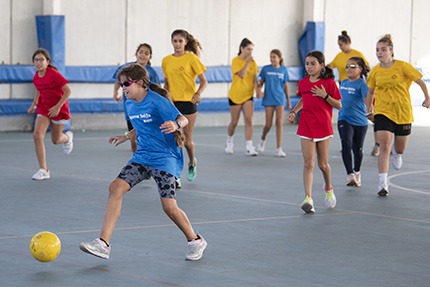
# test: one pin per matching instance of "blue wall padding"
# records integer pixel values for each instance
(103, 74)
(312, 39)
(51, 35)
(19, 107)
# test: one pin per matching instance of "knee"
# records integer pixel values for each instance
(169, 210)
(268, 126)
(116, 190)
(324, 167)
(309, 165)
(38, 136)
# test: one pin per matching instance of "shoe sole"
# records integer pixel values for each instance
(352, 183)
(201, 254)
(308, 208)
(84, 249)
(383, 192)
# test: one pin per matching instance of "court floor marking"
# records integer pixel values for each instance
(405, 188)
(97, 268)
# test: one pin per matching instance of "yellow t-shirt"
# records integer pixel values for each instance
(242, 90)
(391, 85)
(339, 62)
(181, 73)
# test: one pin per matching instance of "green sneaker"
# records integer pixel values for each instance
(330, 198)
(192, 170)
(308, 205)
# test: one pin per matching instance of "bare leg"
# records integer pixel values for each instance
(248, 111)
(279, 125)
(384, 138)
(235, 115)
(179, 217)
(269, 120)
(40, 128)
(117, 189)
(308, 151)
(188, 132)
(57, 135)
(400, 144)
(322, 152)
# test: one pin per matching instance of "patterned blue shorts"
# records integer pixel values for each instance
(133, 173)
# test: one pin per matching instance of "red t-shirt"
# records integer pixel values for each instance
(315, 118)
(50, 89)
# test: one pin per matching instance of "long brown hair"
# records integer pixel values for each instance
(137, 72)
(193, 45)
(326, 72)
(279, 54)
(47, 56)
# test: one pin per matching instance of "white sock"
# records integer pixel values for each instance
(248, 143)
(383, 181)
(230, 138)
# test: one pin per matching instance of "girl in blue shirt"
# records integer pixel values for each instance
(157, 126)
(275, 78)
(143, 57)
(352, 121)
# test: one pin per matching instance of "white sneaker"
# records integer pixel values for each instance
(196, 248)
(383, 189)
(330, 198)
(250, 151)
(351, 180)
(280, 153)
(229, 147)
(375, 150)
(68, 146)
(357, 178)
(397, 160)
(41, 174)
(308, 205)
(261, 145)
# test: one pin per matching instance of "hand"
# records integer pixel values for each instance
(117, 97)
(291, 116)
(196, 99)
(169, 127)
(426, 103)
(117, 140)
(370, 117)
(54, 111)
(249, 59)
(319, 92)
(32, 108)
(289, 106)
(260, 94)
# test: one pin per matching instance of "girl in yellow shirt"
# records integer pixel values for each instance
(245, 82)
(389, 84)
(180, 72)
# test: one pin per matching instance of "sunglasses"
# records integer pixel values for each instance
(127, 83)
(352, 66)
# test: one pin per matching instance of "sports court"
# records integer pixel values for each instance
(247, 208)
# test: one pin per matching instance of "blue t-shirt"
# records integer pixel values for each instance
(274, 89)
(353, 109)
(154, 148)
(153, 77)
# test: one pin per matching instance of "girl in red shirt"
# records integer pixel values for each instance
(319, 94)
(52, 109)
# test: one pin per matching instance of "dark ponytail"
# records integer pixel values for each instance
(137, 72)
(326, 72)
(193, 45)
(47, 56)
(364, 68)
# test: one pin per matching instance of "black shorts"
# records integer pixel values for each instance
(186, 108)
(129, 126)
(231, 103)
(382, 123)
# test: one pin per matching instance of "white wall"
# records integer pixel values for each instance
(107, 32)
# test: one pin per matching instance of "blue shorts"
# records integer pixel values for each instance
(133, 173)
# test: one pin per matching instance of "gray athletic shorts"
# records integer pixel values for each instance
(133, 173)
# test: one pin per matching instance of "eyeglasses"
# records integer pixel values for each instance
(127, 83)
(352, 66)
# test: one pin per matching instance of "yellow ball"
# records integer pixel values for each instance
(45, 246)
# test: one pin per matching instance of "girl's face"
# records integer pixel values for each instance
(129, 87)
(344, 47)
(40, 62)
(179, 43)
(246, 51)
(313, 67)
(275, 60)
(143, 56)
(383, 52)
(353, 70)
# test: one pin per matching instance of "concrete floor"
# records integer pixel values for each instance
(248, 209)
